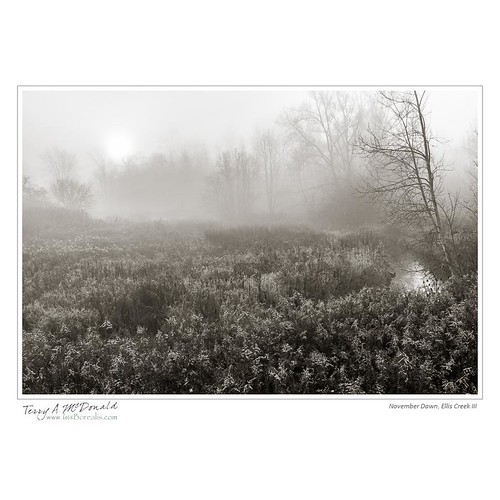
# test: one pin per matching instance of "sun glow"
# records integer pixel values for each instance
(119, 147)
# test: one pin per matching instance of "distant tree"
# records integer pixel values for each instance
(322, 133)
(222, 184)
(405, 175)
(72, 194)
(60, 163)
(65, 188)
(103, 169)
(326, 128)
(233, 183)
(269, 156)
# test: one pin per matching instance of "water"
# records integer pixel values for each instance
(411, 275)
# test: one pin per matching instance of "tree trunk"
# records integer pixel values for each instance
(437, 216)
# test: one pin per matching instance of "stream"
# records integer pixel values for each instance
(411, 275)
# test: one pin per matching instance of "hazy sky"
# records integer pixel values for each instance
(118, 123)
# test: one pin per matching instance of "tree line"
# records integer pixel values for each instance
(345, 155)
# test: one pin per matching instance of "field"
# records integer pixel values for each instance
(157, 308)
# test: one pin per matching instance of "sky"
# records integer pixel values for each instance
(117, 123)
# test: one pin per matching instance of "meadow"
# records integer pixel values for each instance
(162, 308)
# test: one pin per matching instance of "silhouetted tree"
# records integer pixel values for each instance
(405, 175)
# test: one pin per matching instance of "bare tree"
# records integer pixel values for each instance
(233, 182)
(322, 133)
(65, 188)
(60, 163)
(326, 128)
(222, 184)
(269, 155)
(72, 194)
(102, 171)
(404, 173)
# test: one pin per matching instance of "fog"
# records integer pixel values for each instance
(151, 121)
(250, 241)
(161, 153)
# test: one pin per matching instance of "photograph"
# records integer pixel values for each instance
(248, 241)
(249, 250)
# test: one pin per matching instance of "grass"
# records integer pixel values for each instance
(156, 308)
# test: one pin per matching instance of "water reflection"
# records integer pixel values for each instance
(411, 275)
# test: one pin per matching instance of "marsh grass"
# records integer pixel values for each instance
(155, 308)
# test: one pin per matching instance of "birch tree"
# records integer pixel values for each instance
(404, 173)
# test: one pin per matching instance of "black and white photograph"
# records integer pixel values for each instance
(250, 241)
(249, 250)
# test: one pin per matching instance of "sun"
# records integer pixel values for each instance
(119, 146)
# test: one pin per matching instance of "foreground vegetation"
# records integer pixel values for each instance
(154, 308)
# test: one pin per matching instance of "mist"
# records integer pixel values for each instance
(157, 153)
(252, 241)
